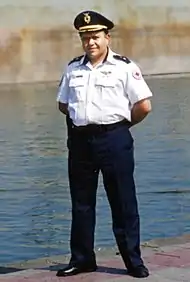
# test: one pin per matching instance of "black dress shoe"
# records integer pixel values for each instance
(73, 270)
(139, 272)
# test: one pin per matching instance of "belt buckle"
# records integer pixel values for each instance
(98, 128)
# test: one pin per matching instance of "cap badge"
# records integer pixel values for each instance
(87, 18)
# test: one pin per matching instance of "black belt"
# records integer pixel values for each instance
(98, 128)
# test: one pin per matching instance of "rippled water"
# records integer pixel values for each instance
(34, 195)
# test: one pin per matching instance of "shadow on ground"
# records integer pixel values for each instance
(101, 269)
(55, 268)
(6, 270)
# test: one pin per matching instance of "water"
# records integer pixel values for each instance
(35, 209)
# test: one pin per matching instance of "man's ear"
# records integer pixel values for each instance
(107, 35)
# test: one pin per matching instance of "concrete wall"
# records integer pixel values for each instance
(37, 37)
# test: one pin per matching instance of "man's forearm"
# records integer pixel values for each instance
(63, 108)
(140, 111)
(137, 117)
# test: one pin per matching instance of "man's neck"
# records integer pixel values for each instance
(96, 62)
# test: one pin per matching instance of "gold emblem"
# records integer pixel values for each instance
(87, 18)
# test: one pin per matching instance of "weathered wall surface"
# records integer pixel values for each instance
(37, 37)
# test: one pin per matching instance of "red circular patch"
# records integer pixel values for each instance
(137, 74)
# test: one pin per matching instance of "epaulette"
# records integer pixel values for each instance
(122, 58)
(77, 59)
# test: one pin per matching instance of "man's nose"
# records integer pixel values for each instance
(91, 41)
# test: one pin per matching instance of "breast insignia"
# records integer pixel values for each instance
(77, 59)
(122, 58)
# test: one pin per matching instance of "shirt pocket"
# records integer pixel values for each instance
(76, 87)
(106, 81)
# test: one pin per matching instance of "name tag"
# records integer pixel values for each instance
(76, 80)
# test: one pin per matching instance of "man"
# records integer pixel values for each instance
(103, 94)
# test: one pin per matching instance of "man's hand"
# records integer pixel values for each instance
(140, 110)
(63, 108)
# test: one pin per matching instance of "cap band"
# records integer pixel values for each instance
(92, 27)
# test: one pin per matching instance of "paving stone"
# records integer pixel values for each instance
(175, 274)
(166, 263)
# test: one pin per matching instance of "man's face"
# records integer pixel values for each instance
(95, 43)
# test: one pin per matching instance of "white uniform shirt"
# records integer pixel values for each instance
(103, 94)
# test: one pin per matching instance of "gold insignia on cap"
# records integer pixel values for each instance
(87, 18)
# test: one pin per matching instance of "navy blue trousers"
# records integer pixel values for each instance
(111, 153)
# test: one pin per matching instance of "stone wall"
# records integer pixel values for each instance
(37, 37)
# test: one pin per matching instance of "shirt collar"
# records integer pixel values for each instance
(108, 58)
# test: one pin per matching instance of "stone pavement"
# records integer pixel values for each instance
(167, 260)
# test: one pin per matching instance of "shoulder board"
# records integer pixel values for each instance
(122, 58)
(77, 59)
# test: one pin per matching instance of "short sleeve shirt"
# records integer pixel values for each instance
(103, 94)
